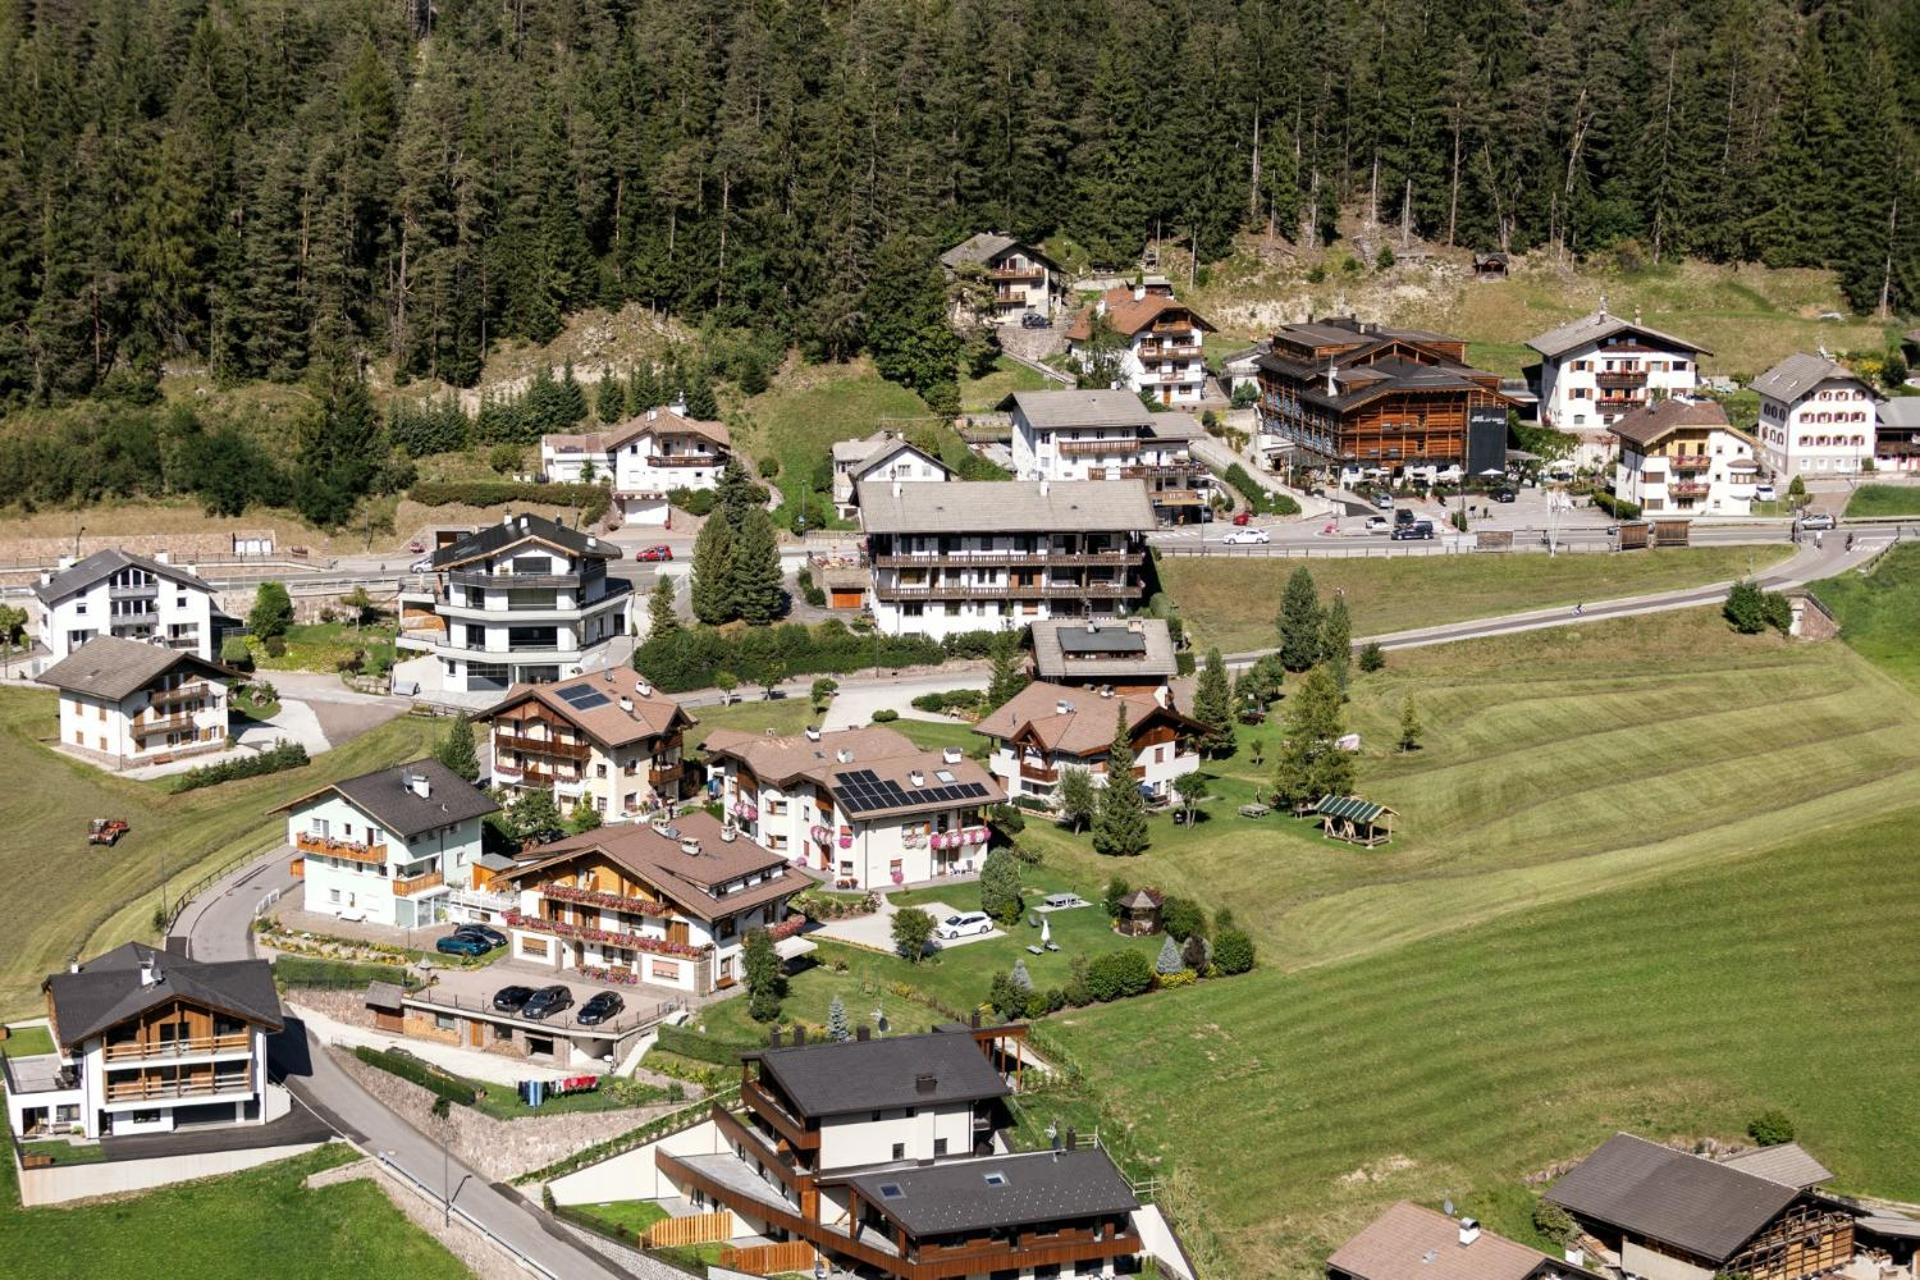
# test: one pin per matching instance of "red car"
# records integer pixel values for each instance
(654, 553)
(416, 546)
(1244, 518)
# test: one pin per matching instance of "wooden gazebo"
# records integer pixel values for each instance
(1140, 913)
(1355, 820)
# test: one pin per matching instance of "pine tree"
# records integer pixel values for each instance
(1336, 640)
(1311, 763)
(1169, 962)
(1021, 979)
(758, 597)
(1120, 816)
(907, 328)
(609, 399)
(1409, 726)
(701, 404)
(837, 1029)
(1009, 674)
(1213, 706)
(643, 390)
(714, 602)
(455, 749)
(661, 618)
(535, 818)
(1299, 623)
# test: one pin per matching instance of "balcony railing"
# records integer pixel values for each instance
(141, 1089)
(542, 746)
(635, 902)
(504, 581)
(146, 728)
(1112, 444)
(351, 850)
(606, 937)
(1099, 589)
(484, 899)
(186, 692)
(1689, 462)
(1686, 489)
(1016, 273)
(418, 884)
(1038, 773)
(1621, 379)
(682, 460)
(1038, 559)
(144, 591)
(661, 774)
(190, 1046)
(1180, 351)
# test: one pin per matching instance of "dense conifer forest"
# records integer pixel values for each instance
(270, 185)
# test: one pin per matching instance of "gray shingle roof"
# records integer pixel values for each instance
(871, 1075)
(1788, 1163)
(986, 246)
(1072, 648)
(1705, 1209)
(384, 796)
(112, 667)
(1901, 413)
(497, 537)
(1032, 1188)
(107, 990)
(1052, 410)
(84, 573)
(1597, 327)
(1002, 506)
(1798, 374)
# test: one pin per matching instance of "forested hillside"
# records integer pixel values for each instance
(269, 184)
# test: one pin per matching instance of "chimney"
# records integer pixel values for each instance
(813, 733)
(1106, 691)
(652, 414)
(952, 755)
(1164, 696)
(799, 1034)
(626, 705)
(149, 974)
(1333, 388)
(642, 688)
(1603, 306)
(1469, 1231)
(863, 1033)
(1046, 487)
(925, 1082)
(507, 520)
(592, 541)
(1140, 291)
(45, 577)
(915, 778)
(679, 404)
(1062, 707)
(418, 784)
(73, 966)
(690, 846)
(163, 557)
(844, 756)
(773, 1038)
(63, 564)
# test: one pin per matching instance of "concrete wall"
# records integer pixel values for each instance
(80, 1181)
(633, 1175)
(866, 1141)
(1159, 1240)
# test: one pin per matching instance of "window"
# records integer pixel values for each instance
(939, 1146)
(333, 896)
(891, 1190)
(899, 1151)
(540, 1045)
(600, 770)
(444, 1021)
(994, 1179)
(146, 1117)
(502, 1032)
(534, 948)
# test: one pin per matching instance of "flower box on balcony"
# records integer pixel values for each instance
(609, 937)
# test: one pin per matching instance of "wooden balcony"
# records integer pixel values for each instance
(1038, 773)
(185, 693)
(148, 726)
(1109, 444)
(145, 1088)
(1017, 273)
(787, 1126)
(638, 903)
(683, 460)
(1101, 589)
(1036, 559)
(352, 851)
(190, 1046)
(556, 747)
(1172, 351)
(1691, 462)
(1621, 379)
(418, 884)
(660, 775)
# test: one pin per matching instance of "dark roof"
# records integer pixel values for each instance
(985, 246)
(1369, 361)
(106, 990)
(1037, 1187)
(385, 796)
(1800, 373)
(113, 667)
(1117, 641)
(832, 1079)
(84, 573)
(1649, 424)
(1701, 1208)
(495, 538)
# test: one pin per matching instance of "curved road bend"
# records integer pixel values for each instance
(219, 926)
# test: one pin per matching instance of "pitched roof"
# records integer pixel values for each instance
(1032, 1188)
(1128, 315)
(985, 246)
(1788, 1163)
(113, 667)
(84, 573)
(491, 540)
(606, 719)
(106, 990)
(1369, 361)
(1007, 506)
(1900, 413)
(1800, 373)
(876, 778)
(385, 796)
(1411, 1242)
(837, 1078)
(1084, 728)
(694, 880)
(1139, 648)
(1055, 410)
(1695, 1205)
(1599, 326)
(1651, 423)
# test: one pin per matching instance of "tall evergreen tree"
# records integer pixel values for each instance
(1311, 763)
(1299, 622)
(1120, 814)
(1336, 640)
(1009, 673)
(1213, 705)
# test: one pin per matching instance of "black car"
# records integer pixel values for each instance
(511, 999)
(1033, 320)
(547, 1000)
(1402, 517)
(1418, 529)
(607, 1004)
(486, 933)
(1503, 495)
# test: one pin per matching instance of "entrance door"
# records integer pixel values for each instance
(677, 932)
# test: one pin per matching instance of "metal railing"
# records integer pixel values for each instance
(562, 1024)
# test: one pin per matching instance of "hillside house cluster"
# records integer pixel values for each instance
(882, 456)
(1047, 729)
(644, 458)
(1110, 435)
(1025, 281)
(1680, 457)
(128, 597)
(607, 741)
(1160, 341)
(1596, 370)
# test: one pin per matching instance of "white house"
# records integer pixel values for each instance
(1110, 435)
(1897, 435)
(1025, 281)
(148, 1041)
(1682, 458)
(116, 593)
(645, 457)
(126, 703)
(669, 904)
(1816, 418)
(1046, 729)
(880, 456)
(520, 602)
(988, 555)
(864, 807)
(1161, 341)
(386, 847)
(1596, 369)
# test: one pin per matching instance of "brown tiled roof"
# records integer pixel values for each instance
(690, 879)
(609, 724)
(1652, 423)
(1409, 1242)
(889, 755)
(1084, 729)
(1129, 315)
(667, 421)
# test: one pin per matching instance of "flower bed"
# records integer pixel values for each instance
(787, 928)
(597, 898)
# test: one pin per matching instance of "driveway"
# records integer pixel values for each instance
(875, 932)
(853, 707)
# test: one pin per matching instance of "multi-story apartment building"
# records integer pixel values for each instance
(148, 1041)
(1816, 418)
(645, 458)
(1162, 341)
(116, 593)
(1343, 393)
(982, 555)
(1682, 458)
(1025, 281)
(126, 703)
(1595, 370)
(1110, 435)
(1135, 656)
(520, 602)
(386, 847)
(880, 456)
(669, 904)
(865, 807)
(1046, 729)
(1896, 446)
(890, 1156)
(604, 740)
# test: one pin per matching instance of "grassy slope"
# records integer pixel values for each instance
(261, 1222)
(1232, 603)
(1884, 500)
(1880, 612)
(76, 898)
(980, 395)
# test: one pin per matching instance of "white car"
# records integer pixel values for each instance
(1379, 524)
(1246, 537)
(1764, 493)
(964, 925)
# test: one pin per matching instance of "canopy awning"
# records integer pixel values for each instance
(795, 947)
(1352, 808)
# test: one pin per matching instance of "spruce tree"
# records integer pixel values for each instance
(609, 399)
(1009, 673)
(713, 597)
(1336, 640)
(1169, 962)
(1075, 798)
(455, 749)
(1311, 764)
(1299, 623)
(837, 1029)
(661, 618)
(1120, 816)
(1410, 729)
(757, 594)
(907, 326)
(643, 390)
(1213, 706)
(701, 404)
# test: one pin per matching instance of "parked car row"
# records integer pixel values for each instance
(535, 1004)
(471, 940)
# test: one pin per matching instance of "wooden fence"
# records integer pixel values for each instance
(769, 1259)
(699, 1228)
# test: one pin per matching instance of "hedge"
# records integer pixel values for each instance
(281, 755)
(1618, 508)
(691, 657)
(1260, 500)
(592, 499)
(409, 1068)
(310, 971)
(701, 1047)
(947, 701)
(669, 1123)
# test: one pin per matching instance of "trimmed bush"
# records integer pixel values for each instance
(1616, 507)
(700, 1047)
(885, 715)
(281, 755)
(1771, 1127)
(1233, 952)
(1119, 974)
(691, 657)
(948, 701)
(412, 1069)
(235, 653)
(1258, 499)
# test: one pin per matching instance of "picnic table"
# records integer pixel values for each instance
(1254, 811)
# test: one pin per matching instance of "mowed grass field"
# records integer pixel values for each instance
(1884, 500)
(69, 897)
(1879, 612)
(1233, 602)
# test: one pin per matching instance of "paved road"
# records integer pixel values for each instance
(219, 926)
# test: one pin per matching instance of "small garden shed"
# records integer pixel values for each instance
(1355, 820)
(1139, 913)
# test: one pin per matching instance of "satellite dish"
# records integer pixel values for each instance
(1447, 1208)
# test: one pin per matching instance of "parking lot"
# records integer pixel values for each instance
(471, 992)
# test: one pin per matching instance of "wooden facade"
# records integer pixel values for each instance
(1807, 1239)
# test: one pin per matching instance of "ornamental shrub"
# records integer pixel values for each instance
(1119, 974)
(1233, 951)
(1771, 1127)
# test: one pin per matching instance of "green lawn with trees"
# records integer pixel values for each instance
(1885, 500)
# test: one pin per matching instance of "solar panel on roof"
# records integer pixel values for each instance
(583, 697)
